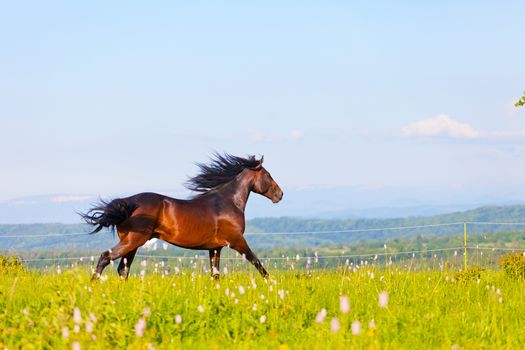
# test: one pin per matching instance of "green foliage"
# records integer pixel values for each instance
(513, 265)
(10, 264)
(521, 101)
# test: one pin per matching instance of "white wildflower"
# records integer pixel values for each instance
(383, 299)
(65, 332)
(178, 319)
(344, 304)
(89, 327)
(77, 318)
(334, 325)
(320, 316)
(140, 327)
(281, 293)
(356, 327)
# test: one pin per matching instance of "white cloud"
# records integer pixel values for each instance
(297, 134)
(70, 198)
(507, 135)
(442, 125)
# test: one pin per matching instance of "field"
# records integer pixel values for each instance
(366, 307)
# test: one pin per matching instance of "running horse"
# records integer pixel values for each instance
(211, 220)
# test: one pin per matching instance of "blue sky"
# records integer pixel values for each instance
(121, 97)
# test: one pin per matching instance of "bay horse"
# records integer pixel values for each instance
(211, 220)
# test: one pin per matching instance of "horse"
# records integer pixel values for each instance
(210, 220)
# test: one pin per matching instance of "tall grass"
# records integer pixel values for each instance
(189, 310)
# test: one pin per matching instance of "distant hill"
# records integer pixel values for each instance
(104, 240)
(307, 202)
(511, 213)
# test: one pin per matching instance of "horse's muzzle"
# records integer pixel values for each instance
(278, 197)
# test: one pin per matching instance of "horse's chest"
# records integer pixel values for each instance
(230, 225)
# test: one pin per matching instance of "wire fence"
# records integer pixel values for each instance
(313, 232)
(358, 230)
(455, 257)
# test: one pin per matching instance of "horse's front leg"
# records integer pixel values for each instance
(215, 257)
(242, 247)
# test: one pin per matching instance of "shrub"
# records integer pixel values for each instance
(471, 273)
(513, 264)
(10, 264)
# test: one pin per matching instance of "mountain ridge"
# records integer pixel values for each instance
(12, 235)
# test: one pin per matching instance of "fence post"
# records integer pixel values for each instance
(465, 244)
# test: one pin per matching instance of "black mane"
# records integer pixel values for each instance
(221, 169)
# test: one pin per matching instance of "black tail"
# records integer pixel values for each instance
(108, 214)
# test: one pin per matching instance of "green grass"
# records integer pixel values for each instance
(425, 310)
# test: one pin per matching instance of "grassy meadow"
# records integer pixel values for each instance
(347, 307)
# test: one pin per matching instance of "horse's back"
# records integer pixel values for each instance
(147, 205)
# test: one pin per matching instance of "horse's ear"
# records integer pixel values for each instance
(259, 166)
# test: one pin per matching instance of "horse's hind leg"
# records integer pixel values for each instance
(242, 247)
(103, 261)
(215, 257)
(129, 242)
(125, 264)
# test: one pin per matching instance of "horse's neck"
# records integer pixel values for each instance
(237, 191)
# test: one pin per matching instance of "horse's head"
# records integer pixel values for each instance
(265, 185)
